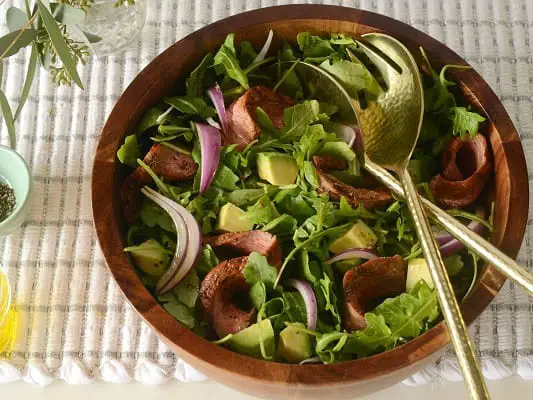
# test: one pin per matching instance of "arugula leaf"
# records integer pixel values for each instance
(454, 264)
(225, 178)
(314, 46)
(226, 58)
(342, 39)
(187, 290)
(326, 295)
(265, 123)
(191, 106)
(271, 309)
(258, 294)
(247, 53)
(329, 344)
(205, 210)
(437, 97)
(299, 116)
(400, 318)
(167, 241)
(149, 119)
(296, 205)
(347, 211)
(420, 169)
(199, 78)
(295, 310)
(311, 142)
(231, 157)
(262, 212)
(258, 270)
(153, 215)
(353, 77)
(245, 197)
(183, 314)
(465, 122)
(289, 83)
(287, 53)
(310, 174)
(338, 149)
(283, 225)
(207, 260)
(310, 270)
(406, 314)
(129, 152)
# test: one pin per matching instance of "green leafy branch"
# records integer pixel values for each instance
(46, 28)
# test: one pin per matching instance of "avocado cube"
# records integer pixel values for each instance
(232, 219)
(360, 236)
(277, 168)
(417, 269)
(248, 341)
(295, 345)
(151, 257)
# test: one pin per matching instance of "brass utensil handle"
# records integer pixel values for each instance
(448, 302)
(497, 258)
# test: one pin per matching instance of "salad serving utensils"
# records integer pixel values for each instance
(390, 127)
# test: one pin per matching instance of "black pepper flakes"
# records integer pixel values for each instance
(7, 201)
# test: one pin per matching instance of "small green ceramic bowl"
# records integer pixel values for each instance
(15, 172)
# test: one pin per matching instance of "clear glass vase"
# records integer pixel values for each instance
(117, 25)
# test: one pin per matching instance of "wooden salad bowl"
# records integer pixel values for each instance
(164, 75)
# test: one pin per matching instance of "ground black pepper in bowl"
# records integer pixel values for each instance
(7, 201)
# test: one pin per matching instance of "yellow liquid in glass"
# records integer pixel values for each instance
(8, 318)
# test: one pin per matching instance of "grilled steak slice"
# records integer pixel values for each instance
(369, 198)
(467, 169)
(219, 297)
(364, 284)
(243, 243)
(241, 115)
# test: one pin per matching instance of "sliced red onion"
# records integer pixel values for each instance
(264, 50)
(366, 254)
(453, 246)
(308, 295)
(215, 94)
(441, 236)
(188, 244)
(312, 360)
(164, 115)
(210, 144)
(358, 144)
(213, 123)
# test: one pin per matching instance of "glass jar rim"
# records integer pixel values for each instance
(5, 297)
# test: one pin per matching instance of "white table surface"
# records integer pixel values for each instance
(513, 388)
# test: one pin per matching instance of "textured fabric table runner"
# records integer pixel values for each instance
(74, 323)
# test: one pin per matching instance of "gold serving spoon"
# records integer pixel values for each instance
(390, 127)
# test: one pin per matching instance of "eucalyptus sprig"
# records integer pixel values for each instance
(47, 28)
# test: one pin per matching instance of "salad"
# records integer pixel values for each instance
(279, 245)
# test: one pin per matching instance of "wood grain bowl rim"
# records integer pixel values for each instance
(207, 356)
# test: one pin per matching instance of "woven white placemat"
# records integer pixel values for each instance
(73, 321)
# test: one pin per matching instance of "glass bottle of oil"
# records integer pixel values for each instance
(8, 318)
